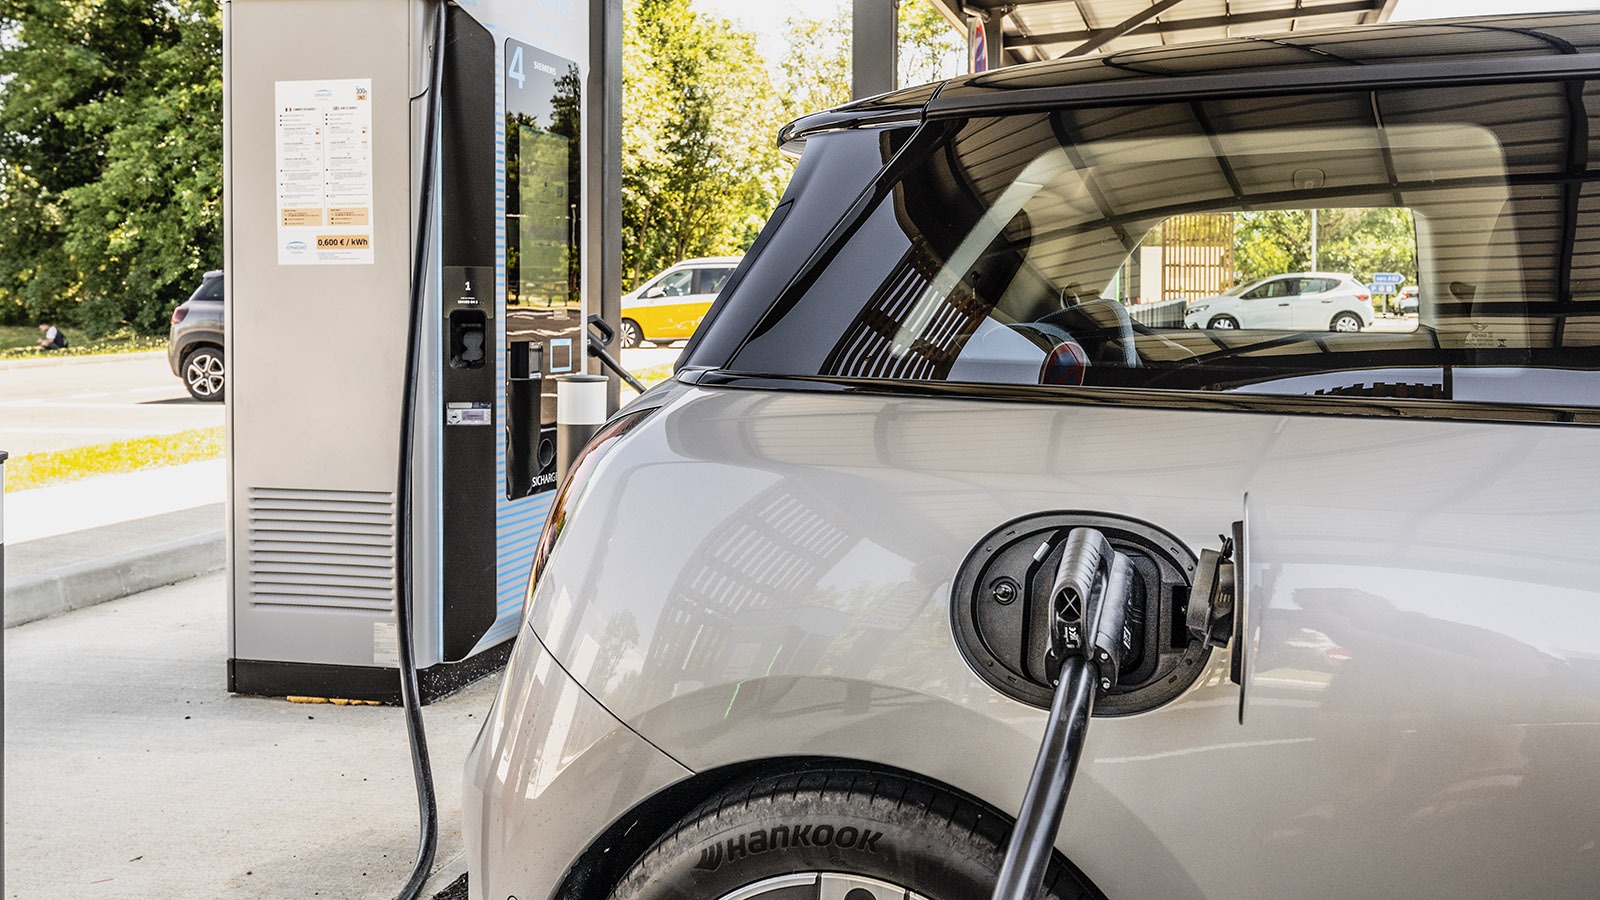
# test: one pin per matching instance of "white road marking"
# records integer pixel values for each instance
(171, 388)
(90, 396)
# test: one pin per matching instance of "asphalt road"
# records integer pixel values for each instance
(131, 772)
(75, 401)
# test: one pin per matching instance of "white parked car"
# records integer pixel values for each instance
(669, 307)
(1297, 301)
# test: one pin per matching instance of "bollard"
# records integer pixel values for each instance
(580, 411)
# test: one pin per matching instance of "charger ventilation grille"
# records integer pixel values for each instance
(331, 550)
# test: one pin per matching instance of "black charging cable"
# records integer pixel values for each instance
(597, 344)
(1089, 638)
(421, 770)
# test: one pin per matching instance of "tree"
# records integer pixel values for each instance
(1271, 242)
(1365, 241)
(700, 169)
(110, 158)
(815, 70)
(1359, 241)
(931, 49)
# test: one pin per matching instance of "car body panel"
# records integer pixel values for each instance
(202, 323)
(802, 607)
(547, 742)
(674, 321)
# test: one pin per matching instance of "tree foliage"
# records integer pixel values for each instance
(700, 169)
(110, 158)
(702, 110)
(815, 69)
(1358, 241)
(111, 142)
(930, 49)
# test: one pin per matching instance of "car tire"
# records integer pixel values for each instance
(1345, 322)
(630, 334)
(859, 834)
(1227, 323)
(205, 374)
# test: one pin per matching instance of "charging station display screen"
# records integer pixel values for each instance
(544, 303)
(543, 179)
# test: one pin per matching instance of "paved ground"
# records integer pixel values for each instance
(130, 772)
(74, 401)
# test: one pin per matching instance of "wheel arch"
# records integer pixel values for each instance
(643, 338)
(606, 860)
(201, 342)
(1361, 320)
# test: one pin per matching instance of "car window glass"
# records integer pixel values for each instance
(1084, 246)
(677, 284)
(709, 281)
(210, 289)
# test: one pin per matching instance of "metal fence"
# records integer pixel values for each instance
(1166, 314)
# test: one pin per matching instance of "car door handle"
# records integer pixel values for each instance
(1283, 304)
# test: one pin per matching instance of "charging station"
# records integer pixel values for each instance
(326, 120)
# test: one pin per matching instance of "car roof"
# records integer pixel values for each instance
(1449, 50)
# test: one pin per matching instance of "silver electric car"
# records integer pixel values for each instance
(794, 627)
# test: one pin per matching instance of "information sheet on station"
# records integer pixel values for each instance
(324, 172)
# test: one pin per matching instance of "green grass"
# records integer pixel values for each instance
(58, 467)
(17, 342)
(654, 375)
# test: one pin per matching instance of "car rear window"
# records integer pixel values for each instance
(209, 289)
(1084, 246)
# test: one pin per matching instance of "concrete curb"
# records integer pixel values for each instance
(95, 581)
(445, 875)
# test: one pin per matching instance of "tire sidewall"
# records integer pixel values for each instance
(1334, 325)
(870, 834)
(632, 334)
(189, 358)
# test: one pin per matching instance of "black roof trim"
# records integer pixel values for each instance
(848, 117)
(901, 107)
(1475, 70)
(1081, 81)
(1148, 398)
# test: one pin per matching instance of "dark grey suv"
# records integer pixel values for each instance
(194, 348)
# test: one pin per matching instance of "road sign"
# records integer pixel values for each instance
(1383, 287)
(1388, 278)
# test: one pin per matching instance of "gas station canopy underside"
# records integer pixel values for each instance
(1032, 30)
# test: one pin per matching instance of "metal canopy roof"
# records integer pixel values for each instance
(1032, 30)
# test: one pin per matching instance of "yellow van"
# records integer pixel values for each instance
(669, 306)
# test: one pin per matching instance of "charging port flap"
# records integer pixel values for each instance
(1021, 577)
